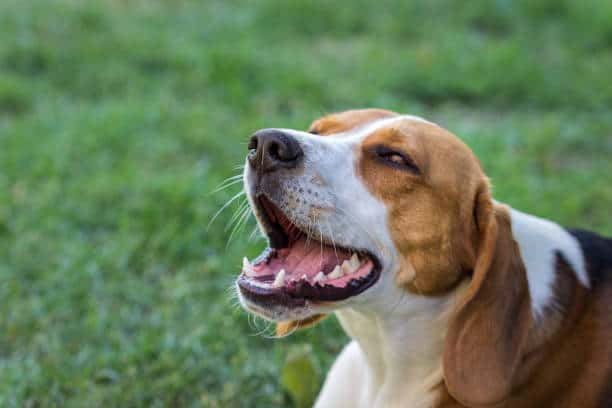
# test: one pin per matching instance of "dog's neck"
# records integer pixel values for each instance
(402, 347)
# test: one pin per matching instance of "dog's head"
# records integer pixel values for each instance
(365, 203)
(367, 206)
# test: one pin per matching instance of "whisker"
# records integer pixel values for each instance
(228, 203)
(227, 184)
(309, 232)
(399, 302)
(238, 223)
(241, 220)
(253, 233)
(293, 330)
(250, 320)
(230, 178)
(241, 209)
(331, 236)
(262, 331)
(263, 154)
(320, 242)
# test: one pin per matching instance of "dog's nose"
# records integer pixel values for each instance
(271, 149)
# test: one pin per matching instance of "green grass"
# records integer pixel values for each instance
(118, 119)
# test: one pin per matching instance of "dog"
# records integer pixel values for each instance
(451, 298)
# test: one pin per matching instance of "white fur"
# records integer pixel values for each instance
(395, 357)
(539, 240)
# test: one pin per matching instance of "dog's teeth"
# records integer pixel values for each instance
(280, 279)
(305, 277)
(346, 267)
(320, 277)
(247, 267)
(336, 273)
(354, 263)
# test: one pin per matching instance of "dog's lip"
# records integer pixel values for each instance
(277, 237)
(299, 293)
(267, 297)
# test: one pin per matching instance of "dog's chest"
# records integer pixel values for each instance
(397, 370)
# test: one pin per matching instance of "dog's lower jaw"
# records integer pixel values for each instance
(277, 314)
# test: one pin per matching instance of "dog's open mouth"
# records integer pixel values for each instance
(297, 267)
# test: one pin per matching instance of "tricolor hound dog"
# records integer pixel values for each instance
(452, 299)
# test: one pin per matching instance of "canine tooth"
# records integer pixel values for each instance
(247, 267)
(280, 279)
(304, 277)
(354, 263)
(319, 277)
(336, 273)
(346, 267)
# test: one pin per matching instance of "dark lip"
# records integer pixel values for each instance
(296, 294)
(276, 236)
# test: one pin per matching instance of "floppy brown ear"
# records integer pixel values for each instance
(284, 328)
(487, 336)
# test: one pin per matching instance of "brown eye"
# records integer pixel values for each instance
(395, 159)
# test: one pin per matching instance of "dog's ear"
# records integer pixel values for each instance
(284, 328)
(487, 336)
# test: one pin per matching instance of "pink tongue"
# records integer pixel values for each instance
(303, 259)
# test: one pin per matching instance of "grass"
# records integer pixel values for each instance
(119, 118)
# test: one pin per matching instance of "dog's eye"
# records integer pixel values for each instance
(396, 159)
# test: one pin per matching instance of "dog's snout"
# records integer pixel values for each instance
(271, 149)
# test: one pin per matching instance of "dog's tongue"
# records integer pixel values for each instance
(303, 257)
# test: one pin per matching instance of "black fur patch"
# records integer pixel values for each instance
(597, 251)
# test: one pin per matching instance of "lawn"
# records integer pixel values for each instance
(119, 118)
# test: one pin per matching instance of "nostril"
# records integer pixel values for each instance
(286, 148)
(253, 143)
(274, 150)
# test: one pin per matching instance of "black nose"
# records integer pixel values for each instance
(272, 149)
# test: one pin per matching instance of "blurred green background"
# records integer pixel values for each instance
(119, 118)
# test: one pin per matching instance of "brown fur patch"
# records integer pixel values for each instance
(430, 213)
(347, 120)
